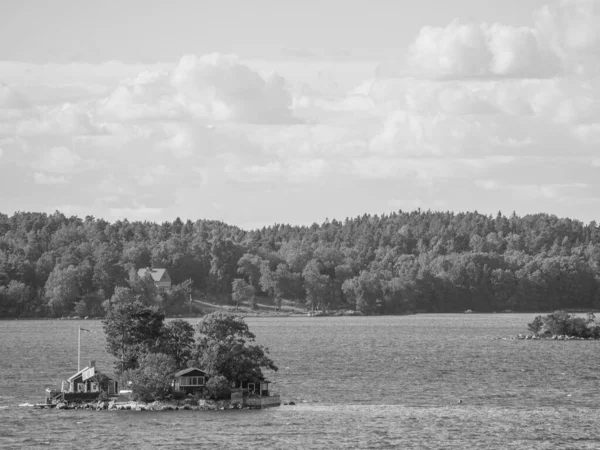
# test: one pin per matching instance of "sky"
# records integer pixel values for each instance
(267, 112)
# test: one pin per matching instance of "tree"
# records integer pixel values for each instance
(90, 305)
(62, 290)
(152, 378)
(243, 292)
(315, 283)
(131, 329)
(177, 340)
(226, 348)
(249, 266)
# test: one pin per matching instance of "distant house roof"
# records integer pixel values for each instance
(188, 370)
(157, 274)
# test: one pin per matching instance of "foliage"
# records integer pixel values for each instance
(413, 261)
(177, 340)
(132, 329)
(243, 292)
(153, 376)
(561, 323)
(62, 290)
(218, 387)
(225, 348)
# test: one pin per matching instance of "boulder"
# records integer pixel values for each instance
(61, 405)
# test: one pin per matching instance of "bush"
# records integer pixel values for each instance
(152, 379)
(219, 388)
(562, 323)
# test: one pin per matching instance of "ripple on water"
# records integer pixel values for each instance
(381, 382)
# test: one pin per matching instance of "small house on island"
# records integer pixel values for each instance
(89, 379)
(257, 387)
(191, 380)
(85, 384)
(161, 277)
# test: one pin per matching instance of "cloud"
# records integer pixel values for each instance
(564, 38)
(11, 99)
(204, 88)
(42, 178)
(66, 119)
(153, 175)
(59, 160)
(219, 87)
(471, 50)
(572, 25)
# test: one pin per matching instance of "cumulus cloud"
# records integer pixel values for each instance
(11, 99)
(42, 178)
(571, 25)
(493, 113)
(471, 50)
(220, 87)
(209, 88)
(59, 160)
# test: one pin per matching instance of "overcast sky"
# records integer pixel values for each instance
(260, 112)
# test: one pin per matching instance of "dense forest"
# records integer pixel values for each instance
(420, 261)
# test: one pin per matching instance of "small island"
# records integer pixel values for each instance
(561, 325)
(171, 365)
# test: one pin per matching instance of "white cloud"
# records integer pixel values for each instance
(479, 114)
(58, 160)
(153, 175)
(10, 99)
(471, 50)
(219, 87)
(42, 178)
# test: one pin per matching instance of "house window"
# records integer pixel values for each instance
(94, 387)
(80, 387)
(192, 381)
(250, 387)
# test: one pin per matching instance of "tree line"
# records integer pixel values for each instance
(420, 261)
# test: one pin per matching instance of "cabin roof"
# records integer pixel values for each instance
(72, 377)
(78, 374)
(156, 274)
(188, 370)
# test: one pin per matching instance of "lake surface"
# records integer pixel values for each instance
(359, 382)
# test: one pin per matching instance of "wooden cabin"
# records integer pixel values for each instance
(85, 385)
(257, 387)
(86, 380)
(191, 380)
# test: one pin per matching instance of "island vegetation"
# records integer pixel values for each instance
(562, 324)
(150, 350)
(403, 262)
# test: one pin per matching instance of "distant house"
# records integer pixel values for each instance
(257, 387)
(161, 277)
(191, 380)
(85, 381)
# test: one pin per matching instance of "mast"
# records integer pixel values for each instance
(79, 348)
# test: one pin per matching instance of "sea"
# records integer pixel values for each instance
(430, 381)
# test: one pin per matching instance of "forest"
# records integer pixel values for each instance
(52, 265)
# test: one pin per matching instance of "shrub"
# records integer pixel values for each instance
(152, 379)
(219, 388)
(562, 323)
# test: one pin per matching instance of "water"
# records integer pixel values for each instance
(359, 382)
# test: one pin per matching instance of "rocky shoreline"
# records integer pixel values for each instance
(184, 405)
(561, 337)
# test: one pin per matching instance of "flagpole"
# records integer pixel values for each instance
(79, 349)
